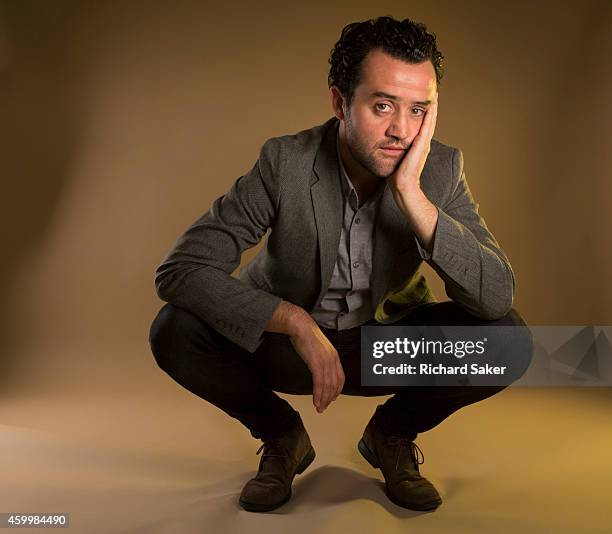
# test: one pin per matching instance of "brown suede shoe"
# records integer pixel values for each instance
(398, 459)
(283, 458)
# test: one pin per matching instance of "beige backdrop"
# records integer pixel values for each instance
(122, 121)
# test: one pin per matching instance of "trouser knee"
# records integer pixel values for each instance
(514, 339)
(519, 344)
(171, 333)
(509, 336)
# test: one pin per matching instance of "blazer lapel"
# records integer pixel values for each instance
(327, 202)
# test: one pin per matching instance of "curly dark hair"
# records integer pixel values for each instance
(406, 40)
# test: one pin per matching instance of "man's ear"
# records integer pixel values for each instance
(337, 102)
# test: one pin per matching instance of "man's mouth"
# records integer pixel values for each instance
(392, 151)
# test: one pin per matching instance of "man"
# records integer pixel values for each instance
(354, 206)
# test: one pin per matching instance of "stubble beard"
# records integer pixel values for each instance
(361, 153)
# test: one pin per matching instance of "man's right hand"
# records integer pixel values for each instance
(322, 359)
(314, 348)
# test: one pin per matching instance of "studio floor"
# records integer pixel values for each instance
(158, 460)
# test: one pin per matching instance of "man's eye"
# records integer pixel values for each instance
(380, 105)
(417, 111)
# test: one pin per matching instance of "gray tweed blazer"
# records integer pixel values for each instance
(294, 190)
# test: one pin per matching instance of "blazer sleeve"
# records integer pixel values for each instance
(196, 274)
(475, 270)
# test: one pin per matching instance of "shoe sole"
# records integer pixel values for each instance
(254, 507)
(370, 457)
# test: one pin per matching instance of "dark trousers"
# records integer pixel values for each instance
(243, 385)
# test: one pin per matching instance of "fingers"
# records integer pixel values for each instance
(413, 161)
(325, 389)
(317, 390)
(429, 122)
(339, 382)
(434, 118)
(327, 384)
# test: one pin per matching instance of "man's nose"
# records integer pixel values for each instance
(400, 128)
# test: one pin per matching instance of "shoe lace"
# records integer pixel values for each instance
(416, 454)
(268, 446)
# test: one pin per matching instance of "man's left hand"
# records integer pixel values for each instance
(405, 182)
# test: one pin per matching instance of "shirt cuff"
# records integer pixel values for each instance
(424, 254)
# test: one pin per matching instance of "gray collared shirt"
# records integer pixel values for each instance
(347, 302)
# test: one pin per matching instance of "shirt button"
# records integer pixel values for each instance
(356, 264)
(357, 220)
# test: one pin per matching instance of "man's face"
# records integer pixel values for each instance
(387, 110)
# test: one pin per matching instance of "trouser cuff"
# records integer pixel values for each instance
(274, 426)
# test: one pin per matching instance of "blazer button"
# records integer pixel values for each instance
(356, 264)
